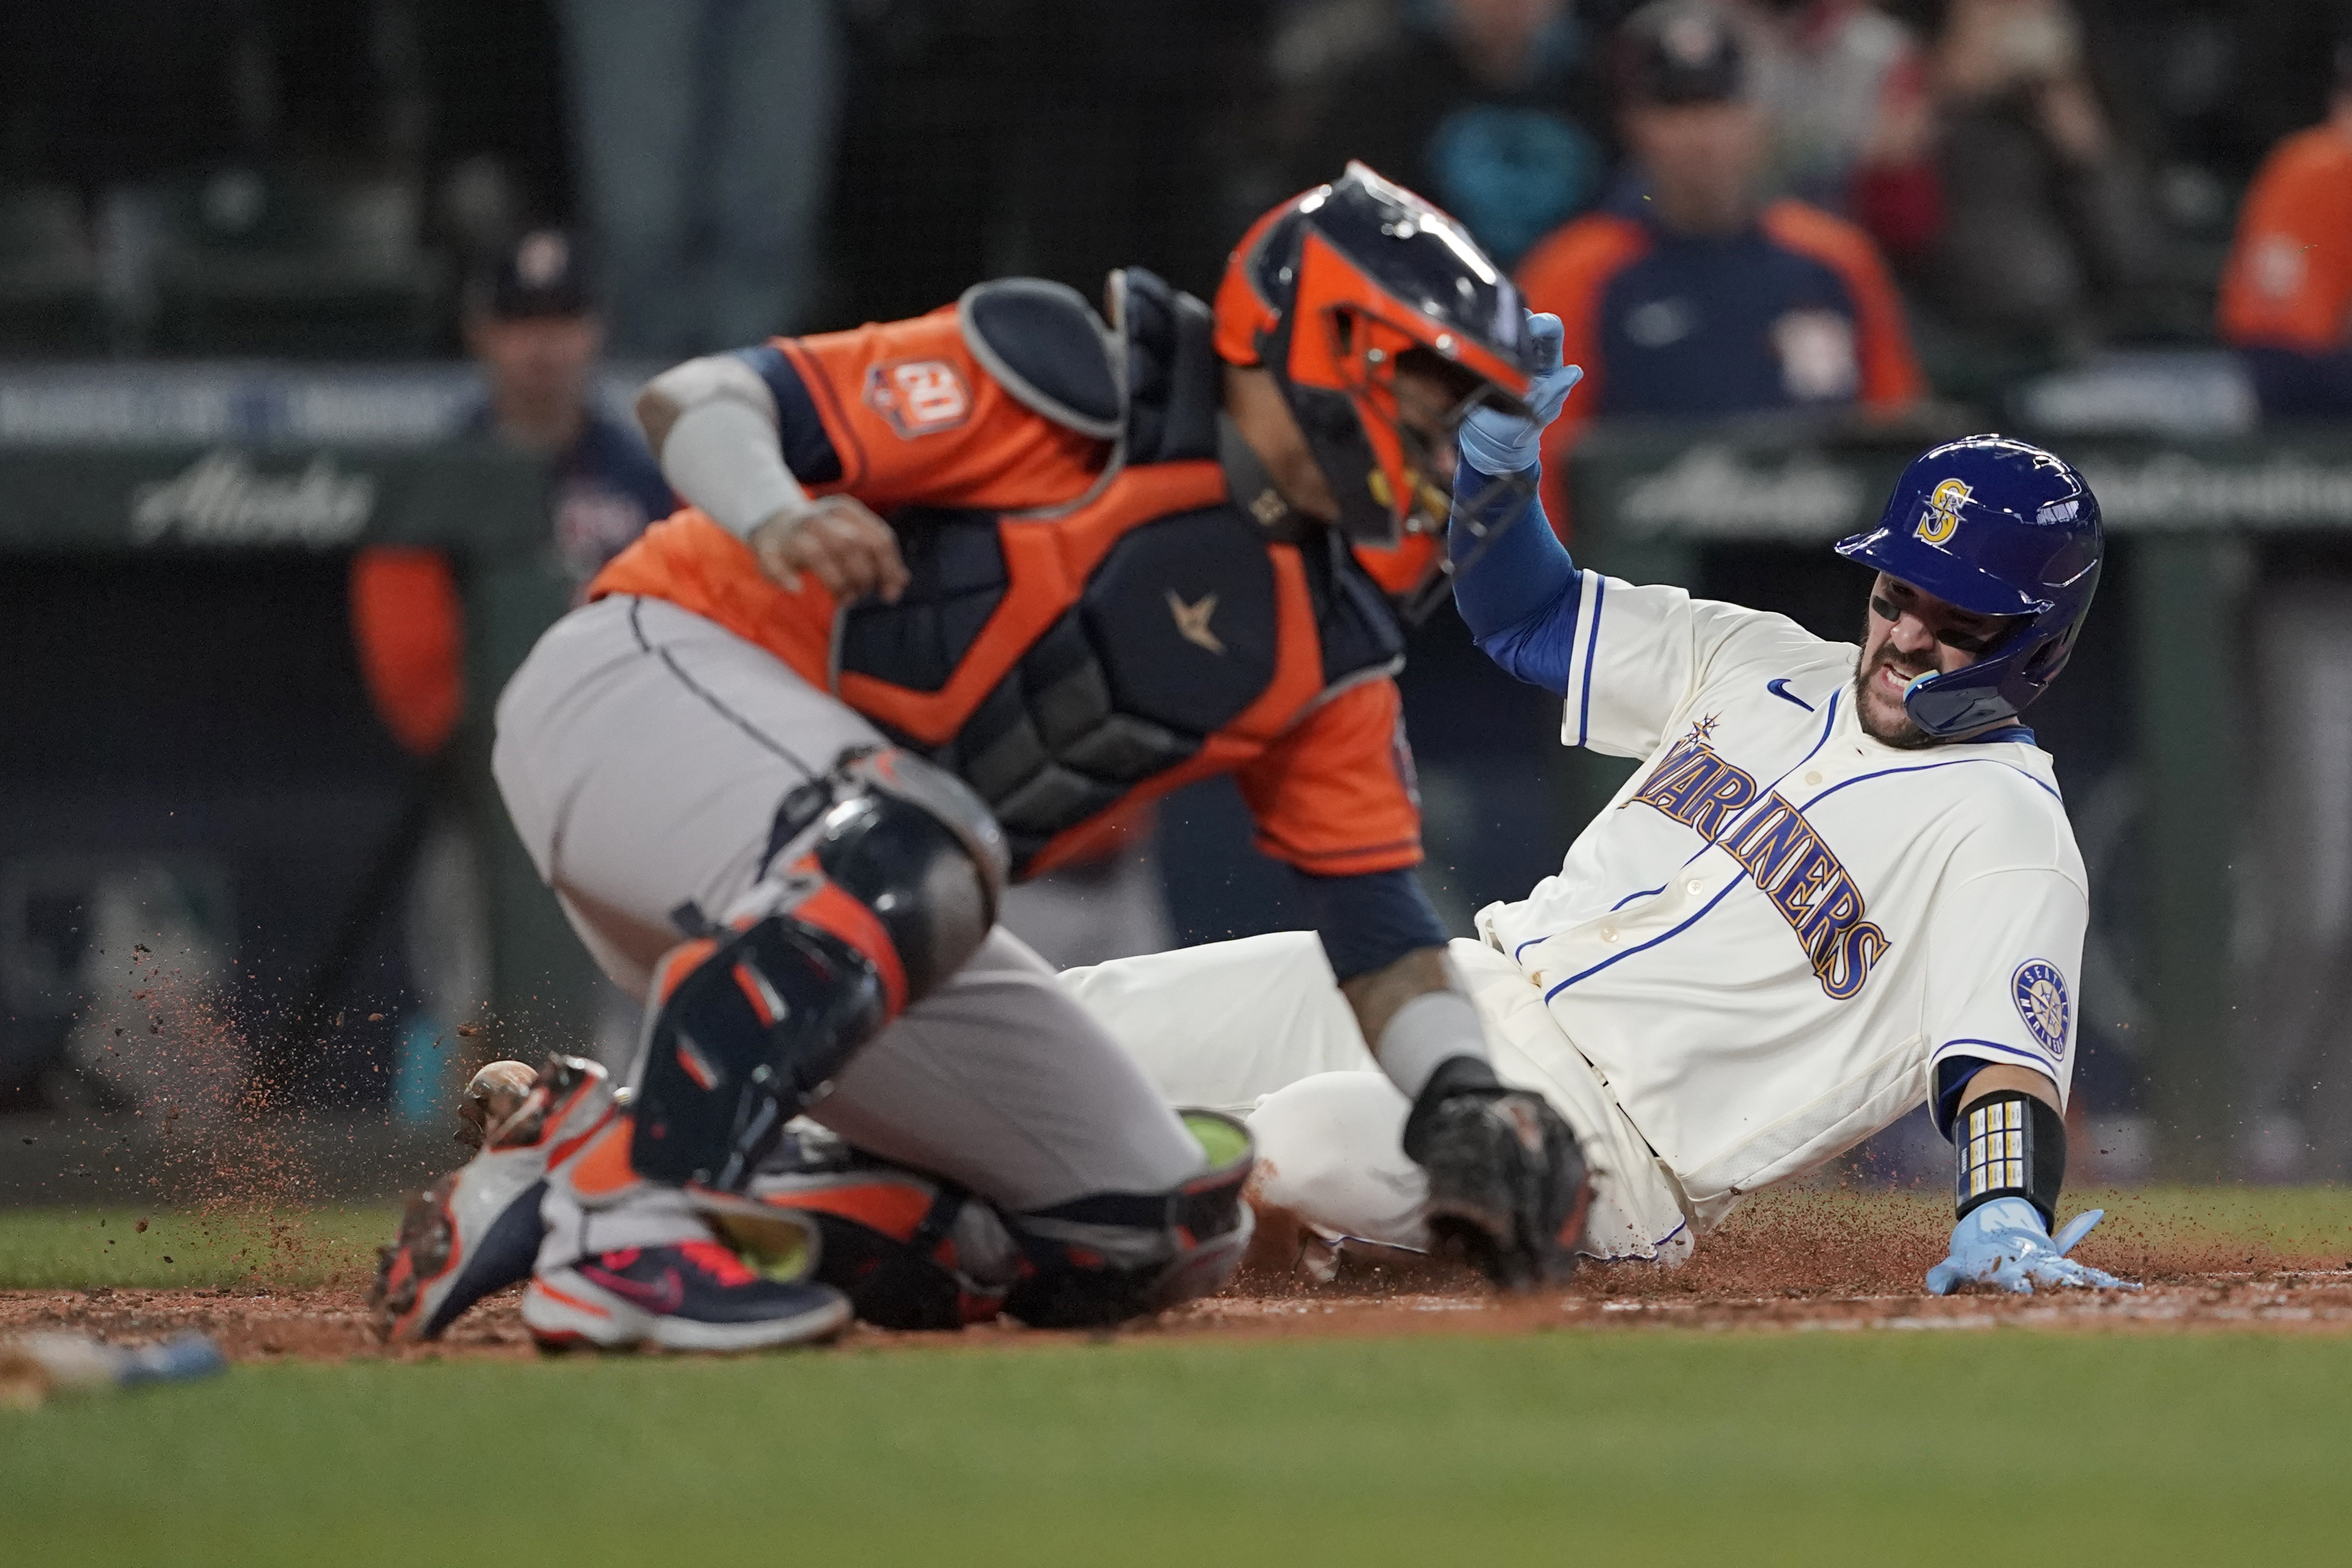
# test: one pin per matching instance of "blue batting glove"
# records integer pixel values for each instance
(1496, 443)
(2003, 1244)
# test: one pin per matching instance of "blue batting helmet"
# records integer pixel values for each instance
(1996, 527)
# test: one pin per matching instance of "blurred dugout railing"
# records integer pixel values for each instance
(2188, 524)
(215, 473)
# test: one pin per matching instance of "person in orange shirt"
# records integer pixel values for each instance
(2287, 293)
(952, 593)
(2286, 305)
(1688, 295)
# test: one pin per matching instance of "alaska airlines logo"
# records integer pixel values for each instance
(1800, 874)
(1193, 620)
(1942, 519)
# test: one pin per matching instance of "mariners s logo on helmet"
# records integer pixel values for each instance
(1941, 520)
(2040, 992)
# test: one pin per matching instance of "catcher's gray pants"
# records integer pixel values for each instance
(641, 752)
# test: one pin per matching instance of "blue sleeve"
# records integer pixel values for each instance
(808, 450)
(1519, 595)
(1953, 1076)
(1368, 922)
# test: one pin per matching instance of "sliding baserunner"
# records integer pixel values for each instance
(1841, 883)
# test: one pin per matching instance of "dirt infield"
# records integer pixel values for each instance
(1806, 1261)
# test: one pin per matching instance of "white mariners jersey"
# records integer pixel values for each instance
(1780, 925)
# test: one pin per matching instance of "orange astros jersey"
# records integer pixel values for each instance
(2288, 284)
(1092, 619)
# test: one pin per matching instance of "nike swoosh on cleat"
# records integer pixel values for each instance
(667, 1296)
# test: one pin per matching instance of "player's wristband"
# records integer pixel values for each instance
(2009, 1145)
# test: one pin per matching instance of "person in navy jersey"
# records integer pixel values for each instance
(532, 323)
(1689, 294)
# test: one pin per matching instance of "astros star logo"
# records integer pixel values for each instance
(1193, 620)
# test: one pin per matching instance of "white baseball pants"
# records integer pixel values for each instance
(1259, 1028)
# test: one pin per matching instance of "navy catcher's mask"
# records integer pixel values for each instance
(1996, 527)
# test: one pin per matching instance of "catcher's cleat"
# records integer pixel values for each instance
(689, 1295)
(477, 1228)
(1507, 1186)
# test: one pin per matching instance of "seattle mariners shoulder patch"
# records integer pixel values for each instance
(2040, 992)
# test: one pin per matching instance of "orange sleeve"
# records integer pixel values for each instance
(1335, 795)
(1890, 373)
(1567, 274)
(408, 626)
(2288, 282)
(914, 418)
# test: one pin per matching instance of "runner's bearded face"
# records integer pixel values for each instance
(1905, 634)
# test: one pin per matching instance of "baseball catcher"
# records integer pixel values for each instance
(951, 593)
(1841, 883)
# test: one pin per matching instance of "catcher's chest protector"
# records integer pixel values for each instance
(1151, 634)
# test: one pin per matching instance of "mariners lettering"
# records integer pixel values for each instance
(1791, 865)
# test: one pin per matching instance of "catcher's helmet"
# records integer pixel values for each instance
(1327, 292)
(1996, 527)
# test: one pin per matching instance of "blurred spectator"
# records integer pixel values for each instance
(2286, 295)
(705, 133)
(531, 322)
(2286, 304)
(1853, 128)
(1494, 107)
(2045, 216)
(1690, 295)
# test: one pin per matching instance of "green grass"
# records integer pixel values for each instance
(79, 1249)
(1559, 1447)
(75, 1249)
(2003, 1445)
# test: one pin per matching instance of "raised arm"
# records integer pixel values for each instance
(1514, 582)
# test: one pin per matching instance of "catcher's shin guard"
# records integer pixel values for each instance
(911, 1251)
(883, 879)
(477, 1228)
(1109, 1257)
(1507, 1183)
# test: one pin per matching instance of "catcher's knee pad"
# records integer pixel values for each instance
(883, 878)
(909, 1250)
(1108, 1256)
